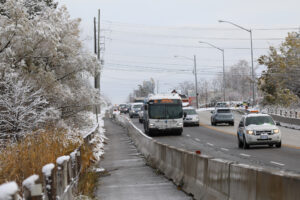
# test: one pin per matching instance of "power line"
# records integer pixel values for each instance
(189, 27)
(163, 57)
(183, 46)
(116, 23)
(192, 37)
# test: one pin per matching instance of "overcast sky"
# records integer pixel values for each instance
(142, 36)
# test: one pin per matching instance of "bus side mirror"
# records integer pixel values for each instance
(184, 115)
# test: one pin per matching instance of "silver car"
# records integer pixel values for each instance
(191, 117)
(257, 129)
(221, 116)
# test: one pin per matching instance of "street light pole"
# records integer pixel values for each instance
(252, 68)
(223, 56)
(196, 82)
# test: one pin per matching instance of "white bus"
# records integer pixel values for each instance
(163, 114)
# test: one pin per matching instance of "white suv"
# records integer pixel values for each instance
(256, 129)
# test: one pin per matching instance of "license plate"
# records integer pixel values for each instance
(264, 137)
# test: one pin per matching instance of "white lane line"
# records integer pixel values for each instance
(224, 149)
(198, 140)
(188, 135)
(277, 163)
(210, 144)
(246, 155)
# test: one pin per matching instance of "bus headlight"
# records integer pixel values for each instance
(179, 124)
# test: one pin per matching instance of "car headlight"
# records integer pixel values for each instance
(250, 132)
(276, 131)
(179, 124)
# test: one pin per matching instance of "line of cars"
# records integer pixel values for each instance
(253, 129)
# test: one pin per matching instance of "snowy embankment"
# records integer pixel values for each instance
(99, 137)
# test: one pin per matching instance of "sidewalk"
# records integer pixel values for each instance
(127, 175)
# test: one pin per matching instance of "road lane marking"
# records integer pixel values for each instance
(277, 163)
(216, 129)
(188, 135)
(224, 149)
(198, 140)
(245, 155)
(210, 144)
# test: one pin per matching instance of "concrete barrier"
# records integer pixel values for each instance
(209, 178)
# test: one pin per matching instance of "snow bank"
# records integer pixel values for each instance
(47, 169)
(62, 159)
(99, 137)
(7, 190)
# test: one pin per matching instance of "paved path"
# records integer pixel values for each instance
(127, 175)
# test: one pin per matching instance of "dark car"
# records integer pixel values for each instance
(222, 115)
(123, 108)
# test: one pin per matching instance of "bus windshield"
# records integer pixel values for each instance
(165, 111)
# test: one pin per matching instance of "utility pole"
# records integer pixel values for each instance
(252, 67)
(99, 59)
(157, 85)
(95, 51)
(196, 84)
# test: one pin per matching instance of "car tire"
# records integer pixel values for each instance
(150, 133)
(240, 144)
(278, 145)
(245, 144)
(130, 116)
(179, 132)
(198, 124)
(271, 145)
(232, 124)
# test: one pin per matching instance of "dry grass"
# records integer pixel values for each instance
(25, 158)
(88, 179)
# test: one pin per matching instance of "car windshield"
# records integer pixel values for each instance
(259, 120)
(190, 111)
(221, 105)
(223, 111)
(123, 106)
(162, 111)
(137, 107)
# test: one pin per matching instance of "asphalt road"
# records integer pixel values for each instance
(221, 143)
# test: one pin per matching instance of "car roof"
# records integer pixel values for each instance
(133, 104)
(223, 108)
(256, 115)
